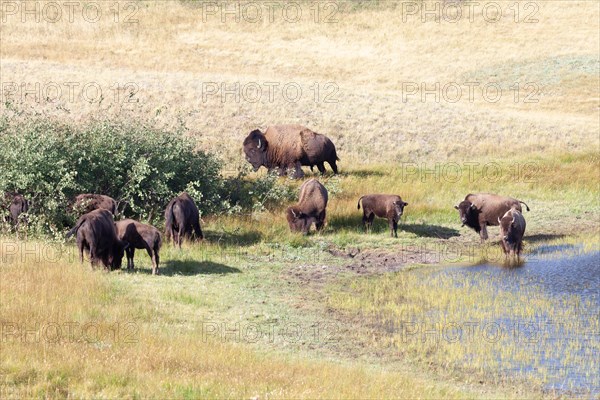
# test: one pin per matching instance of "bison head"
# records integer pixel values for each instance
(115, 258)
(507, 223)
(468, 213)
(255, 148)
(297, 220)
(399, 207)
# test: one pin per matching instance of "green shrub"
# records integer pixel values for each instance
(140, 167)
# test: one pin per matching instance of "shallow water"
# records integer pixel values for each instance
(559, 343)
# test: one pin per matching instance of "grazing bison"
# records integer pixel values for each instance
(310, 208)
(140, 236)
(512, 229)
(182, 219)
(18, 205)
(286, 147)
(84, 203)
(387, 206)
(96, 233)
(479, 210)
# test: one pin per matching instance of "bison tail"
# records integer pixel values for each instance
(169, 221)
(358, 204)
(75, 228)
(526, 206)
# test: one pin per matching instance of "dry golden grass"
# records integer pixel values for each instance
(369, 53)
(136, 348)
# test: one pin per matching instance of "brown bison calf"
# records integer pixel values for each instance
(512, 230)
(140, 236)
(480, 210)
(182, 219)
(310, 208)
(84, 203)
(96, 233)
(387, 206)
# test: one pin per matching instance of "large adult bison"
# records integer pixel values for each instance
(182, 219)
(86, 202)
(284, 147)
(512, 229)
(311, 207)
(388, 206)
(479, 210)
(140, 236)
(96, 233)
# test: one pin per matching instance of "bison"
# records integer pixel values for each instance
(84, 203)
(388, 206)
(18, 205)
(512, 229)
(140, 236)
(310, 208)
(182, 219)
(284, 147)
(479, 210)
(96, 233)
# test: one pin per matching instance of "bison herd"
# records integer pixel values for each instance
(284, 148)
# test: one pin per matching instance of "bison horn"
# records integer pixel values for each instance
(292, 210)
(513, 220)
(258, 144)
(499, 220)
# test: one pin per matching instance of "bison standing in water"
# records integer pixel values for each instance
(477, 211)
(284, 147)
(96, 233)
(140, 236)
(86, 202)
(310, 208)
(512, 230)
(182, 219)
(388, 206)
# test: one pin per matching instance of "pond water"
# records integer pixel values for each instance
(558, 331)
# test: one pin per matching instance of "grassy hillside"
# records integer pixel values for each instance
(357, 74)
(364, 61)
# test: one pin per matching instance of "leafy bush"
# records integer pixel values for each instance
(140, 167)
(256, 195)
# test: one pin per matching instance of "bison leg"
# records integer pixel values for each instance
(321, 167)
(80, 245)
(298, 173)
(393, 227)
(155, 261)
(333, 166)
(483, 233)
(321, 221)
(180, 234)
(198, 231)
(369, 220)
(130, 254)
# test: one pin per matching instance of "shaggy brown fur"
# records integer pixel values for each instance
(84, 203)
(512, 230)
(286, 147)
(182, 219)
(311, 207)
(18, 205)
(482, 209)
(387, 206)
(140, 236)
(96, 233)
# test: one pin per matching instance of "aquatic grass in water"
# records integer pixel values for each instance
(537, 323)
